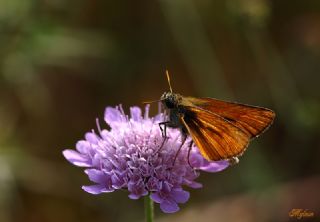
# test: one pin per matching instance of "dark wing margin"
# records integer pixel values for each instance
(251, 119)
(216, 138)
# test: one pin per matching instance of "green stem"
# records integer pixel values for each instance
(148, 209)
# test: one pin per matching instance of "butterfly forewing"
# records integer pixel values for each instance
(215, 137)
(251, 119)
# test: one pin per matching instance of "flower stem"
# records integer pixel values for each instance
(148, 209)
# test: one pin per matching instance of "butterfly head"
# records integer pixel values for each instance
(169, 99)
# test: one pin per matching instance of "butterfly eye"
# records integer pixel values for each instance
(169, 102)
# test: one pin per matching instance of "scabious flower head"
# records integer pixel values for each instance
(128, 156)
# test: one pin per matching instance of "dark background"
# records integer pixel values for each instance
(63, 61)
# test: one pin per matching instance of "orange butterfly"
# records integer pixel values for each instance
(221, 130)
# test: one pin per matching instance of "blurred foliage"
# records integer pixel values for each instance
(62, 62)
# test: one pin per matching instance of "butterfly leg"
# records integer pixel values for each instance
(164, 130)
(164, 134)
(183, 140)
(189, 151)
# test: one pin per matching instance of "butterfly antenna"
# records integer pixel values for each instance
(168, 78)
(153, 101)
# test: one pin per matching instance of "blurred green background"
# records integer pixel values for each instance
(63, 61)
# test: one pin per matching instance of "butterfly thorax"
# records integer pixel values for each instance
(173, 103)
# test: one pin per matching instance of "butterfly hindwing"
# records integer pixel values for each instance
(215, 137)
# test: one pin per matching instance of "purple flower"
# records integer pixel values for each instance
(128, 157)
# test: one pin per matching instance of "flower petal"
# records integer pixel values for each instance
(83, 146)
(76, 158)
(146, 111)
(94, 189)
(96, 176)
(169, 206)
(133, 196)
(215, 166)
(112, 115)
(92, 138)
(156, 197)
(136, 113)
(193, 184)
(180, 196)
(137, 189)
(153, 184)
(118, 181)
